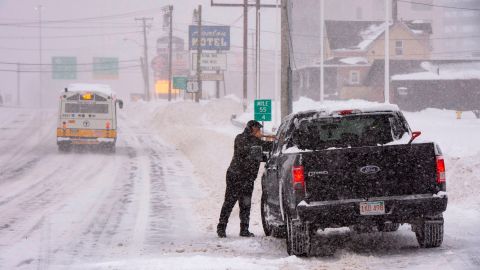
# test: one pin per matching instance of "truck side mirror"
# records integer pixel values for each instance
(120, 103)
(415, 134)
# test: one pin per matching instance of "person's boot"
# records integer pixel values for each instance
(244, 232)
(221, 230)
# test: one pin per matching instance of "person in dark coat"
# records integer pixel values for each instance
(240, 177)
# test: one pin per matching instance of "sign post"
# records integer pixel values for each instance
(263, 110)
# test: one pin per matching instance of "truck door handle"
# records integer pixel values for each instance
(272, 168)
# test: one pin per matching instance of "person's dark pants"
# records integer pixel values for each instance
(239, 188)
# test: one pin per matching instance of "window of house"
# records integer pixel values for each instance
(354, 77)
(399, 47)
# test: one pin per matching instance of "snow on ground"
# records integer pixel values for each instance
(155, 203)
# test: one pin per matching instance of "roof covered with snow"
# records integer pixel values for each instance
(82, 87)
(443, 71)
(359, 35)
(329, 107)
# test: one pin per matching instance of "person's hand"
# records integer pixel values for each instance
(269, 138)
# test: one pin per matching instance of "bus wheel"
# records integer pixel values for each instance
(64, 148)
(110, 148)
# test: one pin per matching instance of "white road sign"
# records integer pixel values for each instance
(210, 61)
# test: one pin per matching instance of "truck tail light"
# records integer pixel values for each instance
(107, 125)
(298, 178)
(441, 170)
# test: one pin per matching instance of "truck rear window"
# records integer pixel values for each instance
(354, 131)
(85, 108)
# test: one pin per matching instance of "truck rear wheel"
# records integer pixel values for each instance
(298, 238)
(429, 233)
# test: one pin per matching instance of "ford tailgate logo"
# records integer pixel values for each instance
(370, 169)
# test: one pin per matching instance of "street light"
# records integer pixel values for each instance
(39, 8)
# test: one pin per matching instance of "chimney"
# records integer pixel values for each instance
(395, 11)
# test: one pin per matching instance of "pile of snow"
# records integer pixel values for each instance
(354, 60)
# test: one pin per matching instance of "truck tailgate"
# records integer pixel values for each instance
(364, 172)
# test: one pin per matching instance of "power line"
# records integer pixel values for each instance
(113, 16)
(75, 36)
(76, 64)
(440, 6)
(78, 71)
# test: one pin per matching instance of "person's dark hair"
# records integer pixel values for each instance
(252, 123)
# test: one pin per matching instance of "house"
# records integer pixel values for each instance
(351, 47)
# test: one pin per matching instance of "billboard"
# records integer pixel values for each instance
(215, 38)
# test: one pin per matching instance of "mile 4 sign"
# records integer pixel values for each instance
(263, 109)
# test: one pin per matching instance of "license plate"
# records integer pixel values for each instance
(372, 208)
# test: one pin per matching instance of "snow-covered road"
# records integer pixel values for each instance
(68, 209)
(154, 203)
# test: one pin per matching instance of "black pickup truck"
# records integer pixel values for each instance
(360, 169)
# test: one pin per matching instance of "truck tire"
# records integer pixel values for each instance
(429, 233)
(269, 229)
(298, 238)
(388, 227)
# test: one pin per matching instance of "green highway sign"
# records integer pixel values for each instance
(64, 68)
(263, 110)
(180, 83)
(105, 68)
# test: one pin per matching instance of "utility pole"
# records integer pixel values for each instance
(285, 107)
(198, 95)
(245, 6)
(217, 84)
(170, 14)
(245, 54)
(39, 8)
(145, 57)
(18, 84)
(257, 49)
(276, 75)
(387, 52)
(322, 50)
